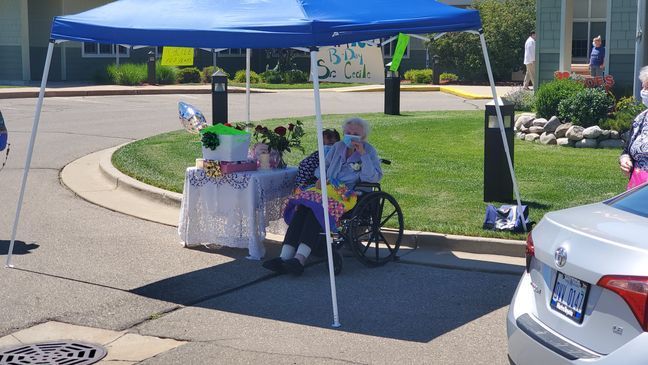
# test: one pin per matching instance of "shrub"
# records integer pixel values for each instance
(423, 76)
(522, 99)
(625, 111)
(295, 77)
(127, 74)
(447, 76)
(272, 77)
(550, 94)
(188, 75)
(166, 74)
(207, 72)
(239, 76)
(586, 108)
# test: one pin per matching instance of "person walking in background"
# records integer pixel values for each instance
(597, 57)
(529, 61)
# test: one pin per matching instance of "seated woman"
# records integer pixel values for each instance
(634, 159)
(350, 161)
(308, 166)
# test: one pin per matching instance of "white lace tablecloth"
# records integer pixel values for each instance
(234, 210)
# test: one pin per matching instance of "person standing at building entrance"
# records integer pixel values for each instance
(529, 61)
(597, 57)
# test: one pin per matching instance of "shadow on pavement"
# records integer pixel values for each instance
(400, 301)
(20, 247)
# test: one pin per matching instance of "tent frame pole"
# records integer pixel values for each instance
(500, 121)
(248, 56)
(322, 171)
(30, 150)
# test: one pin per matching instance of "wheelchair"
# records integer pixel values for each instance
(372, 230)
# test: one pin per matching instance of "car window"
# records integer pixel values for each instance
(634, 202)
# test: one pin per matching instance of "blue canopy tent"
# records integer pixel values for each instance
(258, 24)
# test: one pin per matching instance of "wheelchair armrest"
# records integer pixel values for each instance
(385, 161)
(368, 185)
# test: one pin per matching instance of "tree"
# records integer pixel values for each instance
(507, 24)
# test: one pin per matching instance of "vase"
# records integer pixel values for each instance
(277, 160)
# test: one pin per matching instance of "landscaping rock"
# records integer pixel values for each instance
(520, 135)
(524, 129)
(586, 143)
(575, 133)
(547, 138)
(565, 142)
(592, 132)
(536, 129)
(605, 134)
(552, 124)
(614, 135)
(531, 137)
(625, 135)
(562, 129)
(524, 119)
(540, 122)
(611, 143)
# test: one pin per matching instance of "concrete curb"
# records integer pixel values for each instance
(463, 94)
(477, 245)
(126, 182)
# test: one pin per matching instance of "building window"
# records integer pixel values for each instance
(103, 50)
(232, 52)
(389, 48)
(590, 17)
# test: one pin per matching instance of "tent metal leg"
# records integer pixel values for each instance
(500, 121)
(322, 170)
(248, 55)
(30, 150)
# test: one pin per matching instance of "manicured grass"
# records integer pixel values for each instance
(308, 85)
(436, 172)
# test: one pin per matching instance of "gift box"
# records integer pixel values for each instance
(237, 166)
(233, 144)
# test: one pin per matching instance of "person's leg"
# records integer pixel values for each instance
(290, 243)
(592, 69)
(532, 73)
(527, 78)
(309, 239)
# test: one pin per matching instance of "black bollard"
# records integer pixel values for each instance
(219, 97)
(392, 93)
(151, 68)
(498, 184)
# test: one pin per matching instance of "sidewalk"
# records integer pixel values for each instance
(68, 89)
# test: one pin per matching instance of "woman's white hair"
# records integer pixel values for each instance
(643, 74)
(360, 122)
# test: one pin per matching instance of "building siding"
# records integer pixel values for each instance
(10, 39)
(547, 39)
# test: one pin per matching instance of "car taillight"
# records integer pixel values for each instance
(634, 290)
(530, 251)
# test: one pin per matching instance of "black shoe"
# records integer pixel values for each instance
(293, 266)
(276, 265)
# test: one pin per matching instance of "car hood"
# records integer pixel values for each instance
(605, 223)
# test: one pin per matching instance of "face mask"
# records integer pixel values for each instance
(327, 149)
(348, 138)
(644, 97)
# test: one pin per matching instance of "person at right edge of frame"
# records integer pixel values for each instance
(597, 57)
(529, 61)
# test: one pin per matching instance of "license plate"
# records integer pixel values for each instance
(569, 296)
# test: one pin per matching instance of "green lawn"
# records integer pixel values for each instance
(436, 172)
(307, 85)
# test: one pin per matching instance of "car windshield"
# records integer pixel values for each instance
(634, 202)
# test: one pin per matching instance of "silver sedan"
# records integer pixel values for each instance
(583, 298)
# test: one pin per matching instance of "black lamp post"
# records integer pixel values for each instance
(151, 68)
(498, 184)
(436, 72)
(219, 97)
(392, 92)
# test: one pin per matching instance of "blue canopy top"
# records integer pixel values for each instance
(258, 23)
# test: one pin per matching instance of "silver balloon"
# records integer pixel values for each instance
(191, 118)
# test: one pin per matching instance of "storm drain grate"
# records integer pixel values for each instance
(55, 353)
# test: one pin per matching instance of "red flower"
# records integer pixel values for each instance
(228, 124)
(258, 128)
(280, 131)
(264, 130)
(291, 127)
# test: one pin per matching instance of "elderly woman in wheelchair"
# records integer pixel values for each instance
(351, 165)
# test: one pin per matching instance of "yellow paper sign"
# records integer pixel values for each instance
(177, 56)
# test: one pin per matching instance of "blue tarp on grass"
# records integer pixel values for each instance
(258, 23)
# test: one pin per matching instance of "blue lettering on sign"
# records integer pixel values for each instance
(333, 53)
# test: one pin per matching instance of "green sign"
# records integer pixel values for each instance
(403, 40)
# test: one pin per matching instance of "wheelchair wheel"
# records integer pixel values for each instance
(376, 229)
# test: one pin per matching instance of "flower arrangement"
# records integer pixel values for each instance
(281, 138)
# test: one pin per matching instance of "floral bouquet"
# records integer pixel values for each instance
(281, 139)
